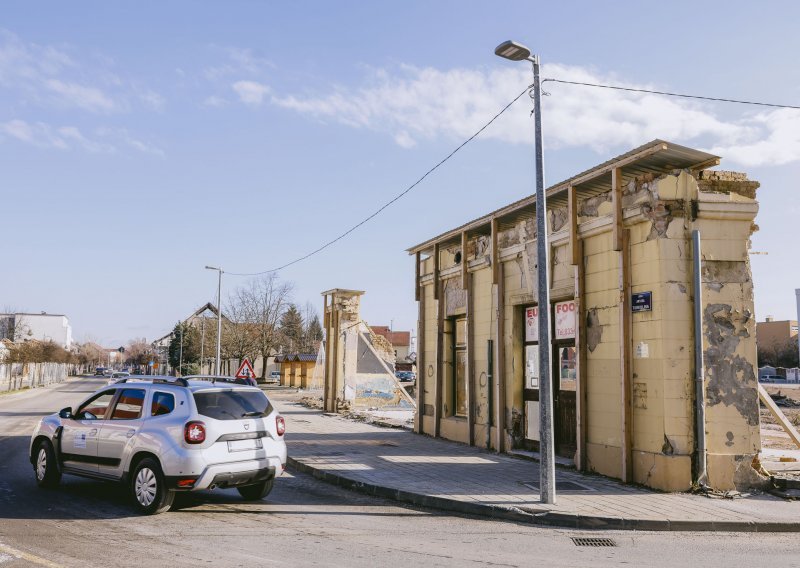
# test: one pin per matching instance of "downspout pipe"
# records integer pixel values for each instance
(701, 477)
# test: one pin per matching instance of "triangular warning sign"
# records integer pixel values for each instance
(246, 370)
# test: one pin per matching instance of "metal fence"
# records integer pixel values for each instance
(14, 376)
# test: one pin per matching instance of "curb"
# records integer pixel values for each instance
(543, 518)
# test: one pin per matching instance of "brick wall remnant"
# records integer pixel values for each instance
(717, 181)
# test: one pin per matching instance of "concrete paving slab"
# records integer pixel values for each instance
(428, 472)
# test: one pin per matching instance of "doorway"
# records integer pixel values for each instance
(564, 368)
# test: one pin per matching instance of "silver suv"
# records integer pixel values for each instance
(161, 435)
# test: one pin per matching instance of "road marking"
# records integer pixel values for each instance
(24, 556)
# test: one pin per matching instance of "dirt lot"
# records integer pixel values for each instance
(772, 434)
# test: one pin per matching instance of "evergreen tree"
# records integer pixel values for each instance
(312, 335)
(291, 328)
(190, 338)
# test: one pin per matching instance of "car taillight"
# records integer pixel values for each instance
(194, 432)
(280, 425)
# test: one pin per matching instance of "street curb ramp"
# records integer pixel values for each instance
(539, 517)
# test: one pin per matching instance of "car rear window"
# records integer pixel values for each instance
(233, 404)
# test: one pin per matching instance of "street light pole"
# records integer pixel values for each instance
(180, 358)
(219, 316)
(547, 473)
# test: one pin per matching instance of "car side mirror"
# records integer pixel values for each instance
(65, 413)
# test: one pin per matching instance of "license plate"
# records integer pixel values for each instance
(242, 445)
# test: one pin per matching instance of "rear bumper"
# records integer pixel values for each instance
(238, 473)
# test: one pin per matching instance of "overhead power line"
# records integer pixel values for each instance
(391, 201)
(634, 90)
(479, 131)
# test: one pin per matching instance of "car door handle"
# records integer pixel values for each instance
(93, 432)
(130, 433)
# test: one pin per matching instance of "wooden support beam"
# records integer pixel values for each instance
(470, 378)
(779, 415)
(625, 356)
(572, 209)
(581, 352)
(416, 277)
(500, 360)
(495, 252)
(422, 375)
(438, 382)
(616, 199)
(464, 263)
(436, 271)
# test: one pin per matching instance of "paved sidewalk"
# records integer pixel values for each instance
(424, 471)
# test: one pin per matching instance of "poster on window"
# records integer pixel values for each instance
(565, 319)
(532, 324)
(532, 366)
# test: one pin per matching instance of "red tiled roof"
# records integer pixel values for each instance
(396, 338)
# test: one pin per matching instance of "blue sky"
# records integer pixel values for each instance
(141, 141)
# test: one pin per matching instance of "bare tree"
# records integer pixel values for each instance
(13, 326)
(239, 334)
(260, 304)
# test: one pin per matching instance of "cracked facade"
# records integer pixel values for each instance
(623, 379)
(358, 363)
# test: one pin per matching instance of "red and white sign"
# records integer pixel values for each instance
(532, 324)
(246, 370)
(565, 319)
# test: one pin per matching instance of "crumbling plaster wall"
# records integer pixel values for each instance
(660, 213)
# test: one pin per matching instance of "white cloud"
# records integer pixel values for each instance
(414, 104)
(46, 136)
(250, 92)
(50, 76)
(87, 98)
(153, 100)
(42, 135)
(239, 61)
(214, 101)
(777, 141)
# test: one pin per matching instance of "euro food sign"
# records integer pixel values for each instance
(245, 370)
(565, 319)
(566, 322)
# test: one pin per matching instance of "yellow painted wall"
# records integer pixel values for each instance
(660, 216)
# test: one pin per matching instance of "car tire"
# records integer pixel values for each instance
(257, 491)
(45, 467)
(149, 490)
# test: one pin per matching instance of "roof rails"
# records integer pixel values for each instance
(215, 378)
(176, 381)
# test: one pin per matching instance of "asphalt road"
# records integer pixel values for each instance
(303, 522)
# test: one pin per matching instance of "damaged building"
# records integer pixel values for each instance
(621, 271)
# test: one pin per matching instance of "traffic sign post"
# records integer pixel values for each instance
(246, 370)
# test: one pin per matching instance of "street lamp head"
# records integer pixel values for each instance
(212, 268)
(513, 51)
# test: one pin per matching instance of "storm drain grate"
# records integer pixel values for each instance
(584, 541)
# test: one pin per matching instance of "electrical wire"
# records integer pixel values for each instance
(471, 138)
(391, 201)
(633, 90)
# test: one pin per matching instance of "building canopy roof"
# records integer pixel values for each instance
(657, 157)
(291, 357)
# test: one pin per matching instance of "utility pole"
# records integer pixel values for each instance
(797, 296)
(219, 317)
(202, 342)
(180, 358)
